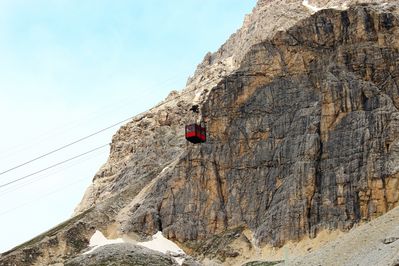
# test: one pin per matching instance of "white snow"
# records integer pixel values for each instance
(313, 9)
(158, 243)
(98, 240)
(164, 245)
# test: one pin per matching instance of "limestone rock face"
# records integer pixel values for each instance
(267, 18)
(301, 109)
(303, 136)
(133, 148)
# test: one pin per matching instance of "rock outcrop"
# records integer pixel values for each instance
(301, 109)
(122, 254)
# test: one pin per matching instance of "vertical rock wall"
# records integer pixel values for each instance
(303, 137)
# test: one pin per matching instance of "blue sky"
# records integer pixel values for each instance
(69, 68)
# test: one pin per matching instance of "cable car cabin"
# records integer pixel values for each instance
(195, 133)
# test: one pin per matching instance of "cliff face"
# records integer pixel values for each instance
(303, 135)
(133, 143)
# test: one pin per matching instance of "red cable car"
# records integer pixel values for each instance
(196, 133)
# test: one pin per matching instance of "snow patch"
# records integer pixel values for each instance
(98, 240)
(313, 9)
(164, 245)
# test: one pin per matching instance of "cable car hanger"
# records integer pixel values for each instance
(195, 133)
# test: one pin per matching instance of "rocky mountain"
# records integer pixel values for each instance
(301, 108)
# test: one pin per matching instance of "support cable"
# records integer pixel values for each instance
(52, 166)
(97, 132)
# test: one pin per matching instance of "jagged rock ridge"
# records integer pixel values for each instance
(302, 137)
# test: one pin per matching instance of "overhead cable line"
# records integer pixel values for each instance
(119, 104)
(98, 132)
(52, 166)
(65, 146)
(11, 189)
